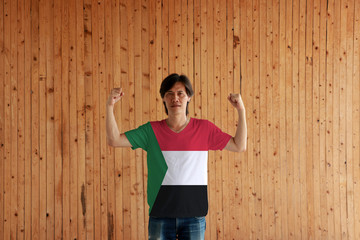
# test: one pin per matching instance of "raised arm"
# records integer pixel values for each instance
(238, 142)
(113, 136)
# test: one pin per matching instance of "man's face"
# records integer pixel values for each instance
(176, 99)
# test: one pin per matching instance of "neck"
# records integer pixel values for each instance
(177, 122)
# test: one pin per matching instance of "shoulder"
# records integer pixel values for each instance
(198, 121)
(142, 128)
(203, 122)
(156, 124)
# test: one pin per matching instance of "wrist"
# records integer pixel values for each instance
(241, 110)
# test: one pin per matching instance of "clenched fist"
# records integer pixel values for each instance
(115, 95)
(236, 101)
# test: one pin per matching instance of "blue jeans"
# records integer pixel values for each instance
(177, 228)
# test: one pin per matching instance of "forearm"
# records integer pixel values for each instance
(240, 137)
(112, 130)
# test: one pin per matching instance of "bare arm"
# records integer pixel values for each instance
(238, 142)
(113, 136)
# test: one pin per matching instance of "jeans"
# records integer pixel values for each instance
(177, 228)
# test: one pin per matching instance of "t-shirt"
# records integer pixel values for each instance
(177, 165)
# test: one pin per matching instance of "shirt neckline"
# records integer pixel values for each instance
(169, 130)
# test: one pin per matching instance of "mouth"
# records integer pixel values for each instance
(175, 106)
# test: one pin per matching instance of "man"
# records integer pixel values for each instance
(177, 154)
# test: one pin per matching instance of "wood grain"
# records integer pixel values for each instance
(296, 64)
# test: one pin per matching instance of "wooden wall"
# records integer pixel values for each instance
(295, 62)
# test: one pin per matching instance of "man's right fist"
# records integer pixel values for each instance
(115, 96)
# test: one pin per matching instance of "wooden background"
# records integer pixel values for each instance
(295, 62)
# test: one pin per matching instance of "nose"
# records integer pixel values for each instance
(175, 98)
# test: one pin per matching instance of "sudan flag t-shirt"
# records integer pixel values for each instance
(177, 165)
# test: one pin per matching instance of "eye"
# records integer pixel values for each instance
(169, 94)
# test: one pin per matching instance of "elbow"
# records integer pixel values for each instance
(110, 142)
(241, 149)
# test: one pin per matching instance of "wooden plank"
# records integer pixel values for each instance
(224, 159)
(336, 123)
(13, 120)
(263, 140)
(284, 24)
(141, 202)
(343, 55)
(95, 39)
(50, 136)
(322, 99)
(137, 98)
(277, 138)
(294, 190)
(217, 99)
(256, 114)
(177, 34)
(165, 42)
(137, 204)
(211, 219)
(302, 122)
(112, 154)
(80, 103)
(270, 196)
(349, 118)
(153, 88)
(242, 166)
(190, 50)
(246, 88)
(316, 117)
(2, 119)
(171, 36)
(124, 165)
(74, 194)
(121, 56)
(158, 55)
(308, 119)
(115, 81)
(234, 85)
(276, 119)
(128, 66)
(356, 119)
(197, 60)
(58, 6)
(42, 118)
(21, 120)
(35, 180)
(231, 120)
(7, 121)
(88, 107)
(145, 71)
(248, 95)
(203, 56)
(287, 167)
(65, 120)
(184, 37)
(103, 91)
(330, 55)
(27, 127)
(117, 165)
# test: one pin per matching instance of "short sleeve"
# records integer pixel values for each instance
(217, 138)
(139, 137)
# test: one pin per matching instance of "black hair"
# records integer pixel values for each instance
(170, 81)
